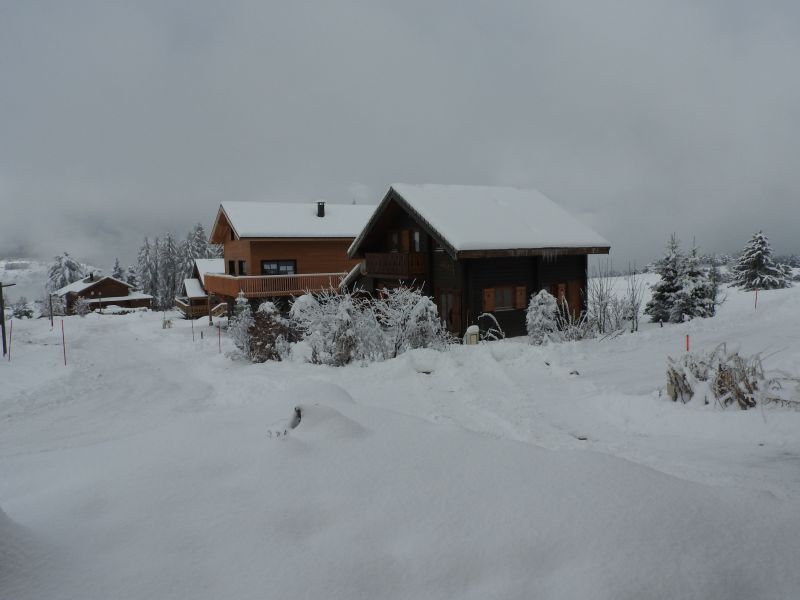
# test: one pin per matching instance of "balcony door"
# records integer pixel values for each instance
(449, 302)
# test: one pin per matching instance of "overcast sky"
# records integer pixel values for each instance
(125, 119)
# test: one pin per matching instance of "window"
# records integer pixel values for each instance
(278, 267)
(417, 239)
(242, 267)
(395, 241)
(231, 267)
(503, 298)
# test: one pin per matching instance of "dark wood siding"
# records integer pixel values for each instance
(491, 273)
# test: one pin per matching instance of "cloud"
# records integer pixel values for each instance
(121, 120)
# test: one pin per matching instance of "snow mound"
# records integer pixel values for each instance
(323, 423)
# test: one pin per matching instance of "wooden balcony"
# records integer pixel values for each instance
(405, 265)
(271, 286)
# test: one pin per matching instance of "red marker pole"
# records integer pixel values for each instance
(63, 342)
(687, 342)
(10, 333)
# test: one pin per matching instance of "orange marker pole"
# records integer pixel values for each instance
(687, 342)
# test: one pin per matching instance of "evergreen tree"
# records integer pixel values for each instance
(144, 268)
(755, 268)
(541, 318)
(64, 271)
(695, 294)
(117, 272)
(167, 271)
(131, 277)
(670, 268)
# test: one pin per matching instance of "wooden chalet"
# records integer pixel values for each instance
(194, 301)
(476, 250)
(274, 250)
(101, 291)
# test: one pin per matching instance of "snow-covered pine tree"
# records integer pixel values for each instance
(117, 272)
(131, 277)
(695, 296)
(64, 271)
(167, 271)
(144, 268)
(240, 325)
(541, 318)
(755, 268)
(670, 267)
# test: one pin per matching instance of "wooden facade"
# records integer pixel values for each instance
(400, 248)
(105, 291)
(277, 267)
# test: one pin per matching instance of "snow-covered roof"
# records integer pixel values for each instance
(288, 220)
(209, 265)
(193, 288)
(472, 217)
(133, 296)
(84, 284)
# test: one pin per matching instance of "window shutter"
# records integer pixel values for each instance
(488, 299)
(520, 296)
(405, 240)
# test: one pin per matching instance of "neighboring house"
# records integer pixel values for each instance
(101, 291)
(194, 300)
(275, 250)
(476, 250)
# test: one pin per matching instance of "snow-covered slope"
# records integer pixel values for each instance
(153, 466)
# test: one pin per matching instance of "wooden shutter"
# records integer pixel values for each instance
(405, 240)
(520, 296)
(488, 299)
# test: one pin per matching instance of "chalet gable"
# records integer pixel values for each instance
(283, 220)
(484, 221)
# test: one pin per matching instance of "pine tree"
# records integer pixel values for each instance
(241, 323)
(755, 268)
(167, 271)
(671, 268)
(117, 272)
(131, 277)
(144, 270)
(695, 295)
(541, 318)
(64, 271)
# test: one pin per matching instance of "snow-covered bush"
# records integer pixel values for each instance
(573, 326)
(410, 320)
(82, 307)
(21, 309)
(241, 324)
(338, 327)
(489, 328)
(724, 377)
(270, 334)
(541, 318)
(756, 269)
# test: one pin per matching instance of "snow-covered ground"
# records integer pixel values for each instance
(152, 466)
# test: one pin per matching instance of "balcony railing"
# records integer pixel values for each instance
(396, 264)
(197, 309)
(271, 286)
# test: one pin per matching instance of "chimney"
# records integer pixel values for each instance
(91, 276)
(320, 209)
